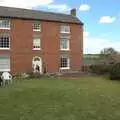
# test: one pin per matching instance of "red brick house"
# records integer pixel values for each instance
(54, 41)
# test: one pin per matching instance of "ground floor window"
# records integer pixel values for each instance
(4, 63)
(64, 62)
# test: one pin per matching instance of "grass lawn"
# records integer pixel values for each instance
(85, 98)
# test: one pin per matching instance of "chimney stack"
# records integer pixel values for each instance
(73, 12)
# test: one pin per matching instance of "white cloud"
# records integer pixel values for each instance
(55, 6)
(107, 19)
(86, 34)
(24, 3)
(95, 45)
(84, 7)
(29, 4)
(58, 7)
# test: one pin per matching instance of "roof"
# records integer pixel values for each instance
(37, 15)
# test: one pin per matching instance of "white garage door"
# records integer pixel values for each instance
(4, 63)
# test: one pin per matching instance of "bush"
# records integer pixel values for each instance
(114, 73)
(100, 68)
(21, 76)
(34, 75)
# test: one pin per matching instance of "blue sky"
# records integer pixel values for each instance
(101, 19)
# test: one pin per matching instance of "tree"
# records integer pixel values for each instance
(109, 56)
(108, 51)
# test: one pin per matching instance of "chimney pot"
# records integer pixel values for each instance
(73, 12)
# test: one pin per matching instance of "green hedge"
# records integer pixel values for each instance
(100, 68)
(114, 73)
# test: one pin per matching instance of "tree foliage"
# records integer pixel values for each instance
(109, 56)
(108, 51)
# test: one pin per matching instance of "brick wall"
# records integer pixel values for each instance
(22, 51)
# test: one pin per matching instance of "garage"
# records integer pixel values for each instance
(4, 63)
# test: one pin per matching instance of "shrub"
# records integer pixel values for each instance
(114, 73)
(24, 75)
(100, 68)
(21, 76)
(34, 75)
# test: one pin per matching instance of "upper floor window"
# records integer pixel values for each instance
(4, 24)
(64, 29)
(36, 43)
(36, 26)
(64, 44)
(4, 42)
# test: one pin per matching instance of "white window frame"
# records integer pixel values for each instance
(68, 63)
(4, 70)
(5, 48)
(3, 26)
(63, 29)
(35, 48)
(37, 25)
(5, 56)
(68, 44)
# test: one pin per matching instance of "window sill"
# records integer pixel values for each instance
(64, 68)
(65, 49)
(4, 48)
(4, 70)
(37, 30)
(65, 32)
(4, 28)
(36, 49)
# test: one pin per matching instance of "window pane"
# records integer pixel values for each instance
(36, 43)
(65, 29)
(64, 62)
(4, 42)
(64, 44)
(36, 26)
(4, 23)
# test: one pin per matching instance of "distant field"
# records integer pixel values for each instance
(85, 98)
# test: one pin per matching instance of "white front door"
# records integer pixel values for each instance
(37, 62)
(4, 63)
